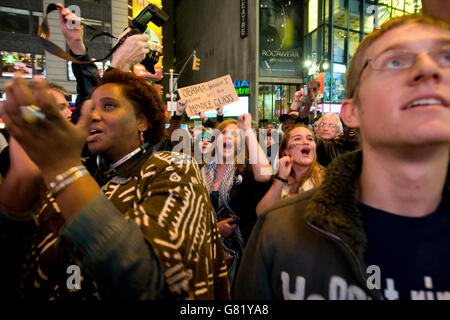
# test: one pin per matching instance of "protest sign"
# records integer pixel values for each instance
(209, 95)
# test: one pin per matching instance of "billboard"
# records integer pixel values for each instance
(280, 38)
(16, 64)
(155, 34)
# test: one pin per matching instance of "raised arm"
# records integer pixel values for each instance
(313, 91)
(260, 165)
(274, 193)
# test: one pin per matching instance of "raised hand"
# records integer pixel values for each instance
(245, 121)
(181, 107)
(284, 167)
(72, 30)
(132, 51)
(202, 116)
(298, 99)
(52, 142)
(220, 110)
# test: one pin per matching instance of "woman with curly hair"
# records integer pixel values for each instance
(298, 170)
(140, 227)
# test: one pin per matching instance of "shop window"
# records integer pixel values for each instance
(326, 10)
(355, 14)
(398, 4)
(36, 17)
(340, 13)
(314, 41)
(338, 94)
(266, 101)
(397, 13)
(14, 20)
(292, 90)
(327, 93)
(353, 44)
(339, 37)
(384, 14)
(280, 99)
(413, 6)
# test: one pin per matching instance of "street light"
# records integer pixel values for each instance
(315, 65)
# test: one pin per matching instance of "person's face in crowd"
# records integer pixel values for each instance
(228, 141)
(287, 124)
(62, 103)
(384, 109)
(316, 128)
(205, 145)
(268, 141)
(269, 128)
(115, 125)
(327, 129)
(301, 146)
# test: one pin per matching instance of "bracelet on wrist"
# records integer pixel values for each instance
(281, 179)
(67, 177)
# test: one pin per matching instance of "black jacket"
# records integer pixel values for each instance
(311, 246)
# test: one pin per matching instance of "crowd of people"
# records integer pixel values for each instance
(295, 210)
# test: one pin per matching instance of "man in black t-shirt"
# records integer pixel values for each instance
(379, 224)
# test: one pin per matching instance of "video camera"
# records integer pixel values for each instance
(138, 25)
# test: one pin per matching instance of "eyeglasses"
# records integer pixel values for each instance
(401, 59)
(330, 125)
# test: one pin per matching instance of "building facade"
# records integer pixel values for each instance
(333, 30)
(22, 53)
(271, 48)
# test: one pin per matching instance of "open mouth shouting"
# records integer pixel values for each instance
(305, 150)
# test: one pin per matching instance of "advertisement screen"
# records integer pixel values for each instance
(280, 38)
(16, 64)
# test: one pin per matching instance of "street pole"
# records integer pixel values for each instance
(174, 81)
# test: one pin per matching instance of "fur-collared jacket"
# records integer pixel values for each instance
(311, 246)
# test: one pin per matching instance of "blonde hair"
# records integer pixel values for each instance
(356, 64)
(315, 170)
(335, 118)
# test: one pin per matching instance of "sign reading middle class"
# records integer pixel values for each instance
(209, 95)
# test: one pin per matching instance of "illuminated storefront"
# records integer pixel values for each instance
(333, 30)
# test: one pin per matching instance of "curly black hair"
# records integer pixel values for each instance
(144, 98)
